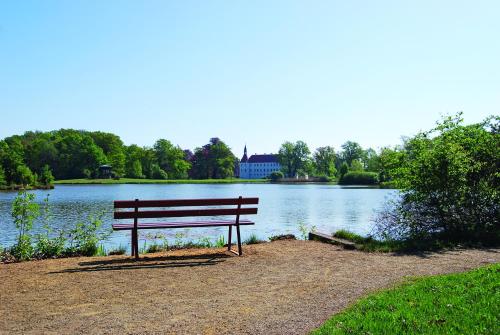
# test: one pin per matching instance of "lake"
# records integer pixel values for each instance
(282, 208)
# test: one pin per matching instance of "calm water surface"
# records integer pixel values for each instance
(281, 207)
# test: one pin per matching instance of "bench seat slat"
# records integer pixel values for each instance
(184, 202)
(184, 213)
(191, 224)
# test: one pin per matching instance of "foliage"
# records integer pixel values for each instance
(370, 160)
(356, 166)
(220, 242)
(24, 211)
(305, 229)
(46, 246)
(3, 181)
(324, 161)
(252, 239)
(213, 161)
(46, 177)
(351, 151)
(370, 244)
(294, 158)
(449, 184)
(158, 173)
(464, 303)
(344, 168)
(171, 159)
(359, 178)
(276, 175)
(113, 148)
(120, 250)
(24, 176)
(85, 236)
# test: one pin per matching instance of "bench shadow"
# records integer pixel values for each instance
(147, 263)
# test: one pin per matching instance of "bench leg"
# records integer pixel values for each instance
(240, 252)
(229, 238)
(136, 244)
(132, 246)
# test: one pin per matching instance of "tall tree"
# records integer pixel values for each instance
(324, 161)
(351, 151)
(214, 160)
(113, 148)
(294, 158)
(171, 159)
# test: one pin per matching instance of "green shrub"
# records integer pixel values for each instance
(46, 177)
(276, 175)
(47, 246)
(449, 183)
(221, 242)
(252, 239)
(24, 212)
(359, 178)
(85, 236)
(158, 173)
(120, 250)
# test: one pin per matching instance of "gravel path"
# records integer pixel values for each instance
(283, 287)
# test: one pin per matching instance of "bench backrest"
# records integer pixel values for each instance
(136, 205)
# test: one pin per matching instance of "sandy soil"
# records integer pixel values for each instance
(284, 287)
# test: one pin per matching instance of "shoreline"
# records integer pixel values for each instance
(157, 181)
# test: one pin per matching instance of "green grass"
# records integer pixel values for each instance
(464, 303)
(370, 244)
(159, 181)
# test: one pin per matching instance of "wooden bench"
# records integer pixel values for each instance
(202, 208)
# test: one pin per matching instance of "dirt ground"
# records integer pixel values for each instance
(284, 287)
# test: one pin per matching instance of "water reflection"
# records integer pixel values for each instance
(281, 208)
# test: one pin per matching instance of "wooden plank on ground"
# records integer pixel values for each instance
(328, 238)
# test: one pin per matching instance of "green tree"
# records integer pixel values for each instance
(390, 160)
(294, 158)
(24, 176)
(46, 177)
(171, 159)
(3, 181)
(344, 168)
(351, 151)
(324, 161)
(158, 173)
(370, 160)
(214, 160)
(113, 148)
(133, 166)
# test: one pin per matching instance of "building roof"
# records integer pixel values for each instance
(263, 159)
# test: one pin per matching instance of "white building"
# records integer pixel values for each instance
(258, 166)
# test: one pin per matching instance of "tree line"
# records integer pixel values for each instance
(351, 162)
(36, 158)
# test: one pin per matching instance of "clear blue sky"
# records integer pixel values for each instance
(254, 72)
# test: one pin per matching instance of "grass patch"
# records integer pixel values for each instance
(158, 181)
(252, 239)
(371, 244)
(464, 303)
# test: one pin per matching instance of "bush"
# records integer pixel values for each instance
(46, 177)
(121, 250)
(252, 239)
(359, 178)
(158, 173)
(276, 175)
(85, 237)
(24, 212)
(449, 185)
(47, 247)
